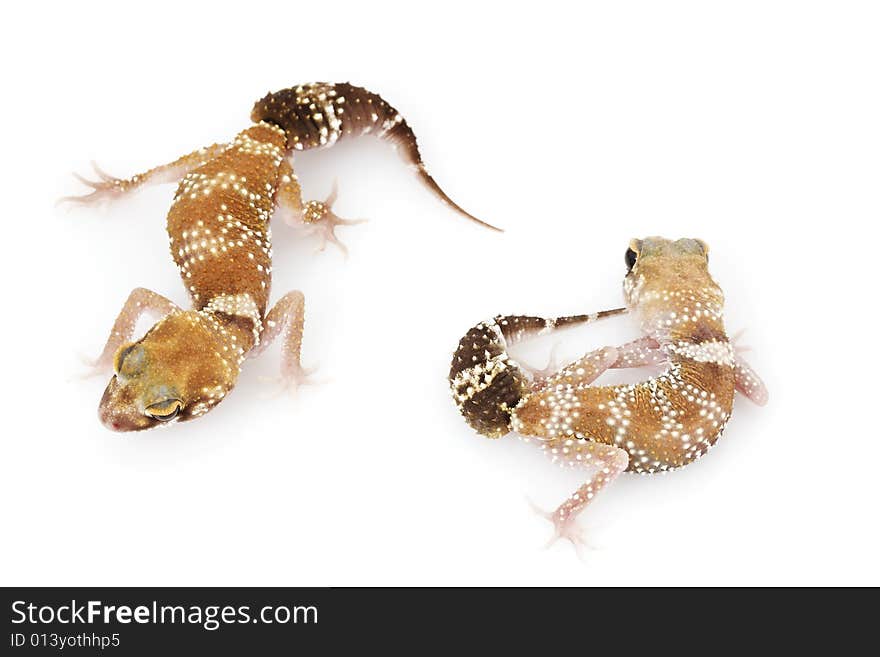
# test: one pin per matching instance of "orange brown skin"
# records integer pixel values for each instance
(658, 424)
(680, 307)
(178, 363)
(218, 228)
(219, 236)
(218, 223)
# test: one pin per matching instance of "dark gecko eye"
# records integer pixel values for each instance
(630, 258)
(123, 353)
(164, 411)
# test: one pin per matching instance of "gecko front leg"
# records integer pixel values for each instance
(141, 301)
(748, 382)
(286, 319)
(318, 216)
(746, 379)
(646, 352)
(109, 187)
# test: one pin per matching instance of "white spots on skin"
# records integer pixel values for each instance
(221, 213)
(678, 421)
(719, 352)
(219, 237)
(659, 424)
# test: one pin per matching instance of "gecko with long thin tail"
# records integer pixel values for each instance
(313, 116)
(659, 424)
(218, 228)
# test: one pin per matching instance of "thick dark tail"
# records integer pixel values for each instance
(319, 114)
(487, 384)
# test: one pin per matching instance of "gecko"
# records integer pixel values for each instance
(659, 424)
(220, 240)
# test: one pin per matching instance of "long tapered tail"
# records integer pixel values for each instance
(487, 384)
(318, 114)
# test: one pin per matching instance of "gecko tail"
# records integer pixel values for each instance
(486, 383)
(318, 114)
(401, 136)
(431, 184)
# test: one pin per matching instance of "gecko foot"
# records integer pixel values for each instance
(565, 527)
(738, 347)
(292, 378)
(322, 221)
(105, 189)
(539, 375)
(746, 379)
(94, 366)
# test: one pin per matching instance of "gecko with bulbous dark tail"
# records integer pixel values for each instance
(659, 424)
(218, 228)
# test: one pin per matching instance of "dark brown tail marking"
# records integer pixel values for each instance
(319, 114)
(487, 384)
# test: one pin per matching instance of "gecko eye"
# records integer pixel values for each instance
(164, 411)
(121, 354)
(130, 360)
(630, 258)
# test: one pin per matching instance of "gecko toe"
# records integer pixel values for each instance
(564, 527)
(105, 189)
(322, 221)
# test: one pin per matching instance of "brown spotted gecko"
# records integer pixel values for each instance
(659, 424)
(218, 228)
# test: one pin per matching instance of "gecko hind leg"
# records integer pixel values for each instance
(644, 352)
(529, 421)
(108, 187)
(317, 216)
(609, 461)
(539, 375)
(140, 301)
(323, 221)
(584, 370)
(517, 327)
(286, 319)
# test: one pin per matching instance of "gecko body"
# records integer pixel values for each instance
(219, 237)
(218, 228)
(658, 424)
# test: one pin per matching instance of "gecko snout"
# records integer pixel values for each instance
(110, 422)
(119, 414)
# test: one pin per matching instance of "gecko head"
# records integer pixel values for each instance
(658, 268)
(178, 371)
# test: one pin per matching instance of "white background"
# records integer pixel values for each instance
(752, 125)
